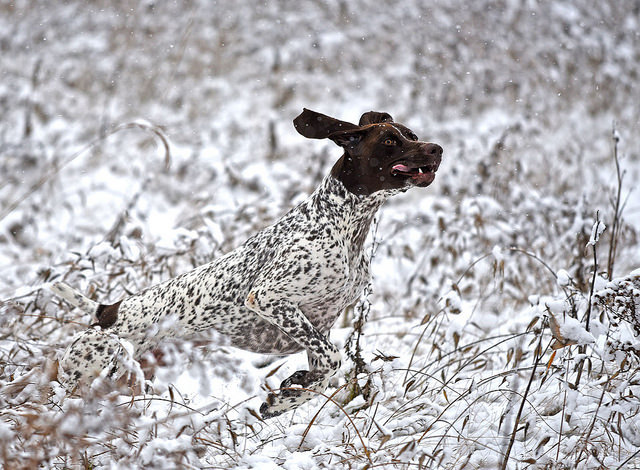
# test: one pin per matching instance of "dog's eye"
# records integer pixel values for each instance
(389, 141)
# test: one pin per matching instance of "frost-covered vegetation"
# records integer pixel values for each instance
(140, 139)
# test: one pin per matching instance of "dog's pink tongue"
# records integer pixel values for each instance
(401, 167)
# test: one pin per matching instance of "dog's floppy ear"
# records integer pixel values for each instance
(348, 138)
(314, 125)
(374, 117)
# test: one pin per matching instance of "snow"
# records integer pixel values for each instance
(596, 231)
(572, 330)
(140, 140)
(563, 278)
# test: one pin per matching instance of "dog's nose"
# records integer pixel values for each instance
(433, 150)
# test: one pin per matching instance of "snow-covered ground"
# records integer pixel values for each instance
(140, 139)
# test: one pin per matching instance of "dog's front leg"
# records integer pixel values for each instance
(324, 357)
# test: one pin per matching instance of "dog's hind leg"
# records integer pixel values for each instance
(94, 352)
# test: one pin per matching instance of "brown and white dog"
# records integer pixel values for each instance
(282, 290)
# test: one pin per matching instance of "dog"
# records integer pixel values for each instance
(283, 289)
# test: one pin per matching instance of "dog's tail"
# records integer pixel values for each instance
(74, 297)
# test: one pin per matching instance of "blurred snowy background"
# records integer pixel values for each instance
(140, 139)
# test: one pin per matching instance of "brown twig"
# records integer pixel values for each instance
(593, 421)
(308, 428)
(617, 209)
(587, 314)
(330, 399)
(539, 353)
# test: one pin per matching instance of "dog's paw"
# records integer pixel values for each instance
(303, 378)
(290, 397)
(286, 400)
(272, 407)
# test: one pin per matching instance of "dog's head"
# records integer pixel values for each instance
(379, 154)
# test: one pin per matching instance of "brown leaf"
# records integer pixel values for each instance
(560, 341)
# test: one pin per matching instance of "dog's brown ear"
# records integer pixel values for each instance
(348, 138)
(374, 117)
(314, 125)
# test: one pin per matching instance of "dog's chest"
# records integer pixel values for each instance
(338, 265)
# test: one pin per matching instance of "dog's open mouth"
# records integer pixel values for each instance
(420, 175)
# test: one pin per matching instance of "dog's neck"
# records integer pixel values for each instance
(346, 172)
(349, 211)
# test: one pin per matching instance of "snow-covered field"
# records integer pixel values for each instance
(140, 139)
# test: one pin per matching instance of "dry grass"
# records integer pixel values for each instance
(455, 365)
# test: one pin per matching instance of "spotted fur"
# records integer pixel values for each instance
(282, 290)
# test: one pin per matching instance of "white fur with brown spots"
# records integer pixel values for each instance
(283, 289)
